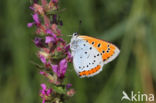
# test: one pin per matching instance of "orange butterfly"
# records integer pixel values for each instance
(90, 54)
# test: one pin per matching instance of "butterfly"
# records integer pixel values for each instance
(91, 54)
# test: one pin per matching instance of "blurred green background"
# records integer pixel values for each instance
(129, 24)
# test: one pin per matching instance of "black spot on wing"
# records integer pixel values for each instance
(99, 45)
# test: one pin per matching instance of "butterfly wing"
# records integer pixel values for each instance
(86, 59)
(108, 50)
(90, 54)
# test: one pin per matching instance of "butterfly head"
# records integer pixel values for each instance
(73, 42)
(75, 34)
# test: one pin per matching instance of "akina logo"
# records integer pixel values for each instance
(137, 97)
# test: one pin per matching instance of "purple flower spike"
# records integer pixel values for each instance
(49, 39)
(36, 18)
(53, 51)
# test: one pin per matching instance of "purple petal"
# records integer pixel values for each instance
(61, 23)
(38, 42)
(51, 33)
(62, 67)
(41, 72)
(61, 40)
(55, 18)
(67, 48)
(43, 59)
(49, 91)
(30, 24)
(68, 86)
(31, 8)
(55, 1)
(35, 1)
(36, 18)
(42, 92)
(49, 39)
(43, 101)
(43, 86)
(69, 55)
(55, 68)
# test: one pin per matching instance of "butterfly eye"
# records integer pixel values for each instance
(75, 34)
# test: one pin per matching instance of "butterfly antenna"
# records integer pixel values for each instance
(66, 35)
(79, 27)
(69, 35)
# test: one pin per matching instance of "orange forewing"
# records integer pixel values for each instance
(106, 49)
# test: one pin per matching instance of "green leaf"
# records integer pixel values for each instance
(59, 89)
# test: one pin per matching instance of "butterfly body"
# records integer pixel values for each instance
(90, 54)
